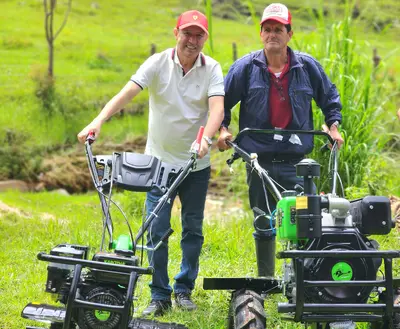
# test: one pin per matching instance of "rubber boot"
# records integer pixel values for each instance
(265, 252)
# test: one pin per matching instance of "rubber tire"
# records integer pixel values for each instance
(56, 326)
(246, 310)
(396, 316)
(60, 326)
(137, 323)
(385, 324)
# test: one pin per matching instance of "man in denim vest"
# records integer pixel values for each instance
(275, 86)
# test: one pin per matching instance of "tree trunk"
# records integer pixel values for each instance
(51, 59)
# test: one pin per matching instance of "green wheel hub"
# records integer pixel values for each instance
(102, 315)
(342, 271)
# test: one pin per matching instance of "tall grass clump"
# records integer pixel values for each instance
(365, 98)
(210, 29)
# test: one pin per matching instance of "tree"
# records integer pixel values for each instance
(49, 8)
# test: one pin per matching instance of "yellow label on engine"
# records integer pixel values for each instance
(301, 202)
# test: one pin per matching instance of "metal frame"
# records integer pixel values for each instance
(339, 312)
(301, 311)
(73, 301)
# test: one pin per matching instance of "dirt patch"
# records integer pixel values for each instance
(215, 209)
(69, 170)
(395, 206)
(6, 209)
(17, 185)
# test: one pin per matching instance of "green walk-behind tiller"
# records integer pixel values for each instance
(99, 293)
(330, 265)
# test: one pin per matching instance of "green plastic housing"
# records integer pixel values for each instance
(285, 219)
(122, 243)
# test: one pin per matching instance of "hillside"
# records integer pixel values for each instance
(102, 44)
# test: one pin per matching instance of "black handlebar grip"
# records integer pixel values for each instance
(324, 148)
(167, 235)
(259, 212)
(298, 188)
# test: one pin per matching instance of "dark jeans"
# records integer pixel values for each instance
(282, 172)
(192, 194)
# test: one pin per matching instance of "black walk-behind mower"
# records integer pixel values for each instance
(98, 293)
(330, 271)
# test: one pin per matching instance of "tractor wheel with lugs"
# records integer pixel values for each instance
(246, 310)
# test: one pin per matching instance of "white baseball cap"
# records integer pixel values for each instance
(277, 12)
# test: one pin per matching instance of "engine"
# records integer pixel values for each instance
(103, 287)
(327, 222)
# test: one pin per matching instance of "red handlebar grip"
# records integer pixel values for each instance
(200, 135)
(91, 137)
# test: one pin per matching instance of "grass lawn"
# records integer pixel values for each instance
(37, 222)
(101, 46)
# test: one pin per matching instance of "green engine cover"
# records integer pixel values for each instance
(285, 219)
(122, 243)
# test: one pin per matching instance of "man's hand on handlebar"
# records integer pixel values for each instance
(335, 134)
(224, 135)
(93, 127)
(203, 148)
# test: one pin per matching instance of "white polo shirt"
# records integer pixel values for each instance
(178, 103)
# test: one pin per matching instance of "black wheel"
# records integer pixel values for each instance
(385, 324)
(396, 316)
(100, 319)
(246, 310)
(55, 325)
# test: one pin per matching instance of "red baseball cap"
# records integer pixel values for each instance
(192, 18)
(277, 12)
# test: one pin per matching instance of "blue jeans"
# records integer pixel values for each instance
(192, 194)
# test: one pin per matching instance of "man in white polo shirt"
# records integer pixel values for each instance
(186, 91)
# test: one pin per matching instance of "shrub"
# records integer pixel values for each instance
(17, 160)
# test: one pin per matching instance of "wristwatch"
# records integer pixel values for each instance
(208, 140)
(335, 123)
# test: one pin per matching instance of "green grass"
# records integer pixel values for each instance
(47, 219)
(97, 52)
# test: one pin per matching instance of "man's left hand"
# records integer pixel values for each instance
(335, 134)
(203, 148)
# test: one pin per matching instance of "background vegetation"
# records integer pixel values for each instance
(102, 44)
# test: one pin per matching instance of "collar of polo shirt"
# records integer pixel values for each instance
(200, 60)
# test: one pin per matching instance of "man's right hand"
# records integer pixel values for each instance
(93, 127)
(224, 135)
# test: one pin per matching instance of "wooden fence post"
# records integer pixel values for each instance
(152, 49)
(234, 50)
(376, 58)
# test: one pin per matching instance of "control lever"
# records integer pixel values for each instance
(164, 238)
(299, 189)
